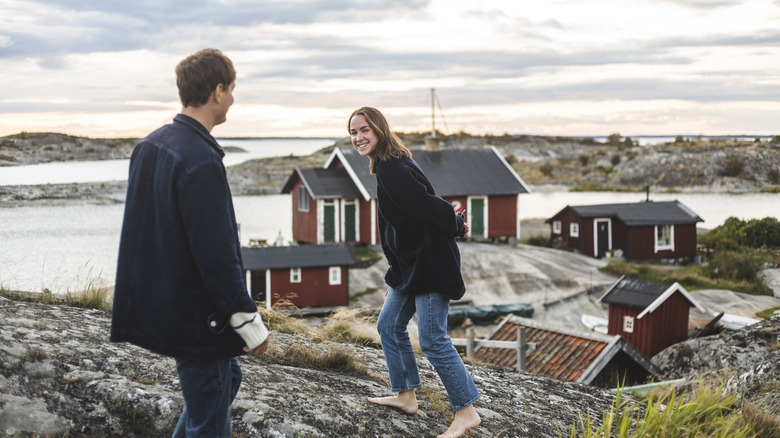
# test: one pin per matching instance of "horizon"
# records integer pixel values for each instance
(590, 67)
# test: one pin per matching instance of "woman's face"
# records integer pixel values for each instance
(364, 138)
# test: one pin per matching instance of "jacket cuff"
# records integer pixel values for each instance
(250, 327)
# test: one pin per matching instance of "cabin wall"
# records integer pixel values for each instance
(312, 291)
(304, 223)
(655, 330)
(666, 325)
(643, 243)
(502, 216)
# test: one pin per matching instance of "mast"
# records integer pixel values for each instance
(433, 116)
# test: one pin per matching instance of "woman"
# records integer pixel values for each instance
(417, 230)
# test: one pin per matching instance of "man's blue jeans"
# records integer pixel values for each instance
(208, 388)
(431, 312)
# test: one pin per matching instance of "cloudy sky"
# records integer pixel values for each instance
(104, 68)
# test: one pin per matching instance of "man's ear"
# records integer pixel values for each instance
(216, 95)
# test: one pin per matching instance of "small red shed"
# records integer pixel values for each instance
(650, 316)
(306, 275)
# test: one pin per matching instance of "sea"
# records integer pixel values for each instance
(69, 247)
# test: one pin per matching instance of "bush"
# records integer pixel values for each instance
(773, 175)
(546, 169)
(583, 160)
(762, 233)
(733, 165)
(732, 265)
(615, 160)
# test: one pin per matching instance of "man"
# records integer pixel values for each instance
(180, 288)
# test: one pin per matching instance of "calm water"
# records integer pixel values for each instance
(65, 247)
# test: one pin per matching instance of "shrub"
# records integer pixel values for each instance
(733, 165)
(732, 265)
(615, 160)
(538, 240)
(762, 232)
(546, 169)
(583, 160)
(773, 175)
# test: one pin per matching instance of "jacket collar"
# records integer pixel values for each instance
(201, 130)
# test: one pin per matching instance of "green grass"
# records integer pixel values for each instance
(703, 412)
(691, 277)
(323, 356)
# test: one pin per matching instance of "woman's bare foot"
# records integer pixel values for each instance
(465, 419)
(406, 401)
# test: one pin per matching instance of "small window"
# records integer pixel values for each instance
(557, 227)
(334, 275)
(303, 198)
(295, 275)
(664, 237)
(574, 230)
(628, 324)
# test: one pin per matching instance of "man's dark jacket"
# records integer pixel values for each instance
(417, 229)
(179, 271)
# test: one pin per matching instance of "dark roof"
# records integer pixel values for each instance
(638, 294)
(563, 354)
(638, 214)
(296, 256)
(326, 183)
(453, 172)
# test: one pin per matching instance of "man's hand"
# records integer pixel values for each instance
(259, 350)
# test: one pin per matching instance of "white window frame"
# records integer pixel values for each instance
(556, 227)
(334, 275)
(295, 275)
(303, 198)
(628, 324)
(574, 229)
(658, 244)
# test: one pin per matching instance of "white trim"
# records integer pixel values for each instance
(520, 180)
(372, 205)
(517, 216)
(293, 271)
(334, 279)
(676, 287)
(307, 195)
(628, 324)
(574, 229)
(484, 213)
(321, 219)
(343, 222)
(656, 246)
(268, 289)
(596, 234)
(351, 172)
(556, 227)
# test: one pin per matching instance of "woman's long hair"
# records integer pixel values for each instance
(388, 144)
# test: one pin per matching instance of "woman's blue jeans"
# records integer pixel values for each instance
(208, 388)
(431, 312)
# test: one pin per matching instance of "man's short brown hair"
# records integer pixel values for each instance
(199, 74)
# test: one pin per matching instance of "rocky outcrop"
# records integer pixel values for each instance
(60, 377)
(746, 361)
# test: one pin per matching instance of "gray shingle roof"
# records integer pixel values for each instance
(453, 172)
(296, 256)
(640, 213)
(328, 183)
(636, 294)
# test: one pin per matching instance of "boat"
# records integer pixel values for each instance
(595, 323)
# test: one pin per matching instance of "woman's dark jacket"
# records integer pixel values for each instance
(417, 230)
(179, 271)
